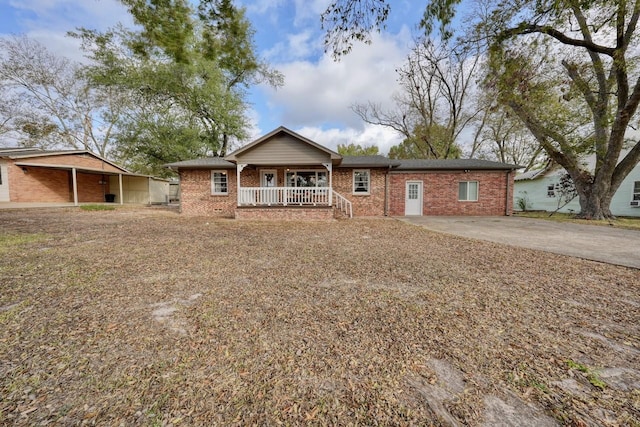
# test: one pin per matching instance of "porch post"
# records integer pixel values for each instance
(329, 167)
(239, 168)
(74, 180)
(121, 192)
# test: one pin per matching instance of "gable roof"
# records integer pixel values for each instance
(20, 153)
(234, 155)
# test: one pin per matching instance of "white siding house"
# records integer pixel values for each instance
(538, 189)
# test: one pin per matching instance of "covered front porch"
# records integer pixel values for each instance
(280, 186)
(284, 185)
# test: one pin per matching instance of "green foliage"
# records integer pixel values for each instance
(357, 150)
(522, 202)
(592, 376)
(184, 73)
(432, 142)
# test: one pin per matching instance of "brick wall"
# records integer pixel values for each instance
(285, 213)
(363, 205)
(89, 188)
(196, 197)
(441, 193)
(44, 185)
(39, 185)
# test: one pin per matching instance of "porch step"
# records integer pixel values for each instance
(284, 212)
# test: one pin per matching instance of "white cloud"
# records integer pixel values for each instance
(380, 136)
(48, 21)
(309, 10)
(323, 92)
(297, 46)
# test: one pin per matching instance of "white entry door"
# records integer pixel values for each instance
(268, 178)
(413, 198)
(268, 182)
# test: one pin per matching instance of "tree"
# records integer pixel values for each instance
(357, 150)
(187, 72)
(48, 103)
(426, 143)
(505, 138)
(433, 108)
(553, 63)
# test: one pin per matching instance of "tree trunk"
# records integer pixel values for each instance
(595, 205)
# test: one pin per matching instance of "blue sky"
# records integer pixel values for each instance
(318, 91)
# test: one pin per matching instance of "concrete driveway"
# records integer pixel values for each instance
(597, 243)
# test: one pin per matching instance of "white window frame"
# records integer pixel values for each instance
(213, 183)
(296, 171)
(551, 190)
(353, 181)
(467, 199)
(635, 191)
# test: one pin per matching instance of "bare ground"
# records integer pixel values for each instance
(141, 316)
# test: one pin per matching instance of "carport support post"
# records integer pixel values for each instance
(120, 184)
(74, 180)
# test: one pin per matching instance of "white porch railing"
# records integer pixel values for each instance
(283, 196)
(341, 203)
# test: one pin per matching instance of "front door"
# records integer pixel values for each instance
(268, 182)
(413, 198)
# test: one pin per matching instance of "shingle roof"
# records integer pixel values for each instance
(367, 162)
(18, 152)
(532, 174)
(453, 164)
(203, 163)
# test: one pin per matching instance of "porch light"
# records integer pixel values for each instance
(25, 170)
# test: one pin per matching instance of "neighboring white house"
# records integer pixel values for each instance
(538, 188)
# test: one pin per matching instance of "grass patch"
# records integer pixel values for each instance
(91, 208)
(620, 222)
(591, 376)
(11, 241)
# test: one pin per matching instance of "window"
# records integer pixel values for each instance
(219, 183)
(307, 179)
(636, 190)
(468, 191)
(551, 190)
(361, 179)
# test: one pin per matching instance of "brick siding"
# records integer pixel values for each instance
(285, 213)
(196, 197)
(440, 193)
(363, 205)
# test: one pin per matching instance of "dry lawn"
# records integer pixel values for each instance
(145, 317)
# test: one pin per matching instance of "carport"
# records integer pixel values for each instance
(74, 170)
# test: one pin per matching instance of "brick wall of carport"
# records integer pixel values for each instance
(440, 192)
(46, 185)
